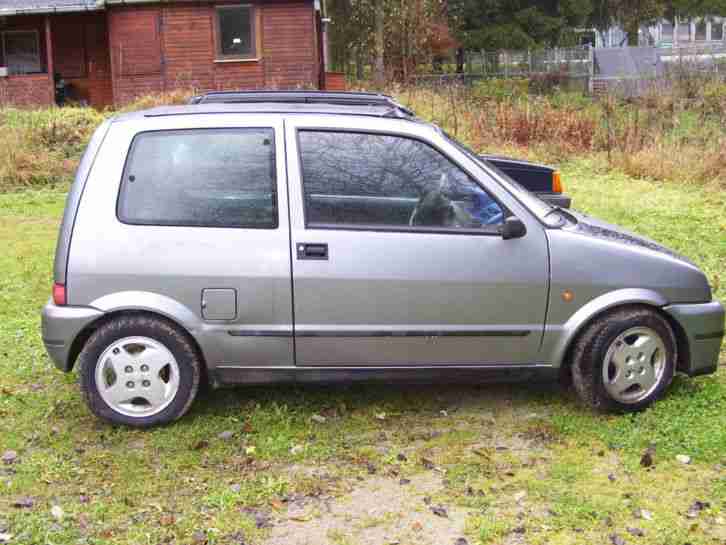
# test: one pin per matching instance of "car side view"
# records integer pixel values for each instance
(328, 237)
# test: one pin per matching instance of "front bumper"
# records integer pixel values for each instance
(704, 327)
(60, 327)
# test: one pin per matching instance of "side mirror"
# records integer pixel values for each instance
(512, 228)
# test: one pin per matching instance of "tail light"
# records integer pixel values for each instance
(557, 183)
(59, 294)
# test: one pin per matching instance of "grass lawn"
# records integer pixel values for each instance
(503, 463)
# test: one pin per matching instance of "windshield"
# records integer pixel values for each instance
(546, 212)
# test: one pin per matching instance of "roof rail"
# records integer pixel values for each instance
(305, 97)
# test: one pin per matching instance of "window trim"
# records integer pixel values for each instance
(252, 56)
(275, 225)
(33, 31)
(717, 24)
(706, 32)
(489, 230)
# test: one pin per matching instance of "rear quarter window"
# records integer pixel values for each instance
(201, 177)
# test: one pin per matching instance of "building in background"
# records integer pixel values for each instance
(109, 52)
(707, 30)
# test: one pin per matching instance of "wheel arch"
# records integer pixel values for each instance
(652, 301)
(85, 334)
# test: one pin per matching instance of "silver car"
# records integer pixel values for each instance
(326, 238)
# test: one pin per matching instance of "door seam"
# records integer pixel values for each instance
(289, 241)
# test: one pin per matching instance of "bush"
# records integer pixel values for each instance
(42, 147)
(666, 135)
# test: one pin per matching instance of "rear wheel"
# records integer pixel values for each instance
(625, 360)
(139, 371)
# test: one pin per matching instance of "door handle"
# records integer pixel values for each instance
(315, 251)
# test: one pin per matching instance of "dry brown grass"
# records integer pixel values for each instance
(42, 148)
(664, 136)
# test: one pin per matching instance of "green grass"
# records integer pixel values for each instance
(129, 487)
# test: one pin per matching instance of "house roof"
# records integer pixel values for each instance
(20, 7)
(24, 7)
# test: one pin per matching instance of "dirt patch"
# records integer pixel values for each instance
(377, 511)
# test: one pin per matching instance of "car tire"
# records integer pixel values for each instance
(625, 360)
(139, 371)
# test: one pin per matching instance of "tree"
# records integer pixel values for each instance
(394, 37)
(632, 14)
(379, 71)
(517, 24)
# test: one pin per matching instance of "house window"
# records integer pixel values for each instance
(22, 51)
(666, 32)
(684, 32)
(701, 31)
(717, 31)
(236, 32)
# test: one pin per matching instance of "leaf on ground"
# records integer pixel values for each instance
(637, 532)
(696, 507)
(643, 514)
(428, 464)
(9, 457)
(23, 503)
(201, 445)
(440, 511)
(646, 460)
(57, 512)
(263, 520)
(615, 539)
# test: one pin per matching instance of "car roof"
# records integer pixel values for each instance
(339, 98)
(284, 102)
(266, 108)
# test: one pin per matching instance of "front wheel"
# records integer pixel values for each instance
(625, 360)
(139, 371)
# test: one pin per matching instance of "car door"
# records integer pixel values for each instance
(195, 226)
(397, 256)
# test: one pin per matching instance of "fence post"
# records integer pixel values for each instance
(591, 83)
(505, 59)
(529, 61)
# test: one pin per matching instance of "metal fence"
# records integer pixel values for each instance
(598, 70)
(572, 62)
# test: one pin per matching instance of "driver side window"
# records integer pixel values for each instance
(377, 180)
